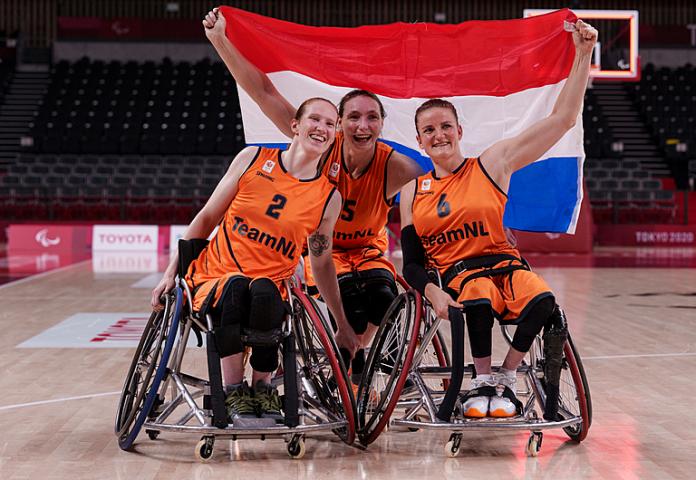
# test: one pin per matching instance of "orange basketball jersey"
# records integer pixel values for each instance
(460, 216)
(360, 234)
(264, 228)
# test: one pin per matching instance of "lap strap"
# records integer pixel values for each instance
(487, 262)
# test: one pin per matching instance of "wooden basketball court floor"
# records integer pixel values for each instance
(635, 329)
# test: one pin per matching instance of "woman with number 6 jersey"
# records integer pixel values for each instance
(452, 221)
(266, 206)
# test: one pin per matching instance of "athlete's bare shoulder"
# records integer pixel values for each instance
(400, 170)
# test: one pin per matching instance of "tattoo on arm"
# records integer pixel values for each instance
(318, 244)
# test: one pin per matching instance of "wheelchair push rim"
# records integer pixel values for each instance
(318, 349)
(403, 315)
(579, 389)
(139, 392)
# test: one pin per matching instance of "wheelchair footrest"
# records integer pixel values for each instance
(254, 422)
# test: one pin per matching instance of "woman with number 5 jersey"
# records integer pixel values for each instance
(368, 173)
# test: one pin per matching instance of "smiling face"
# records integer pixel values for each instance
(439, 133)
(362, 122)
(316, 127)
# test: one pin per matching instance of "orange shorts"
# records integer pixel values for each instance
(510, 295)
(361, 259)
(347, 261)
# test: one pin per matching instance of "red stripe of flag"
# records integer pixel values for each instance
(402, 60)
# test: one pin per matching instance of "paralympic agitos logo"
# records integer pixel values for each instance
(43, 239)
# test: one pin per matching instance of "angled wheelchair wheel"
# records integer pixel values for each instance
(436, 354)
(388, 365)
(322, 365)
(147, 370)
(574, 397)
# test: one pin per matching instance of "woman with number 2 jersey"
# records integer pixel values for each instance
(267, 205)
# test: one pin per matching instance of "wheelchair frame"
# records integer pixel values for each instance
(420, 402)
(322, 399)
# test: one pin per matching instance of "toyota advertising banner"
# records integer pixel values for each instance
(125, 238)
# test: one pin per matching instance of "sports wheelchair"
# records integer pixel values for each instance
(409, 371)
(159, 396)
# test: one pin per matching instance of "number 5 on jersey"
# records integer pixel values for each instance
(348, 210)
(277, 204)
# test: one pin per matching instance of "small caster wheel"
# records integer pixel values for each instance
(413, 429)
(204, 449)
(452, 446)
(296, 448)
(534, 444)
(153, 434)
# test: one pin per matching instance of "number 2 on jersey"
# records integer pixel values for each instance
(278, 203)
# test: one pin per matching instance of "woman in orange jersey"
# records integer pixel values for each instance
(368, 173)
(265, 207)
(452, 220)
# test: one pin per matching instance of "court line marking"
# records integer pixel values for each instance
(640, 355)
(57, 400)
(42, 274)
(106, 394)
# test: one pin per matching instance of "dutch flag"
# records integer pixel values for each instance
(501, 75)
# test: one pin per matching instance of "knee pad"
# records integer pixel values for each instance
(555, 336)
(355, 304)
(479, 321)
(381, 295)
(531, 326)
(557, 320)
(232, 311)
(366, 297)
(266, 313)
(264, 358)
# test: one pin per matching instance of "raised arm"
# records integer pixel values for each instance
(400, 170)
(320, 246)
(503, 158)
(209, 216)
(251, 79)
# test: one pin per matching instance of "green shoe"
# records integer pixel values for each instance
(268, 404)
(240, 403)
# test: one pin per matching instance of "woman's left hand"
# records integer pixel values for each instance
(584, 37)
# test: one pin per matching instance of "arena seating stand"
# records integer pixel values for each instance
(667, 99)
(114, 141)
(621, 191)
(6, 192)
